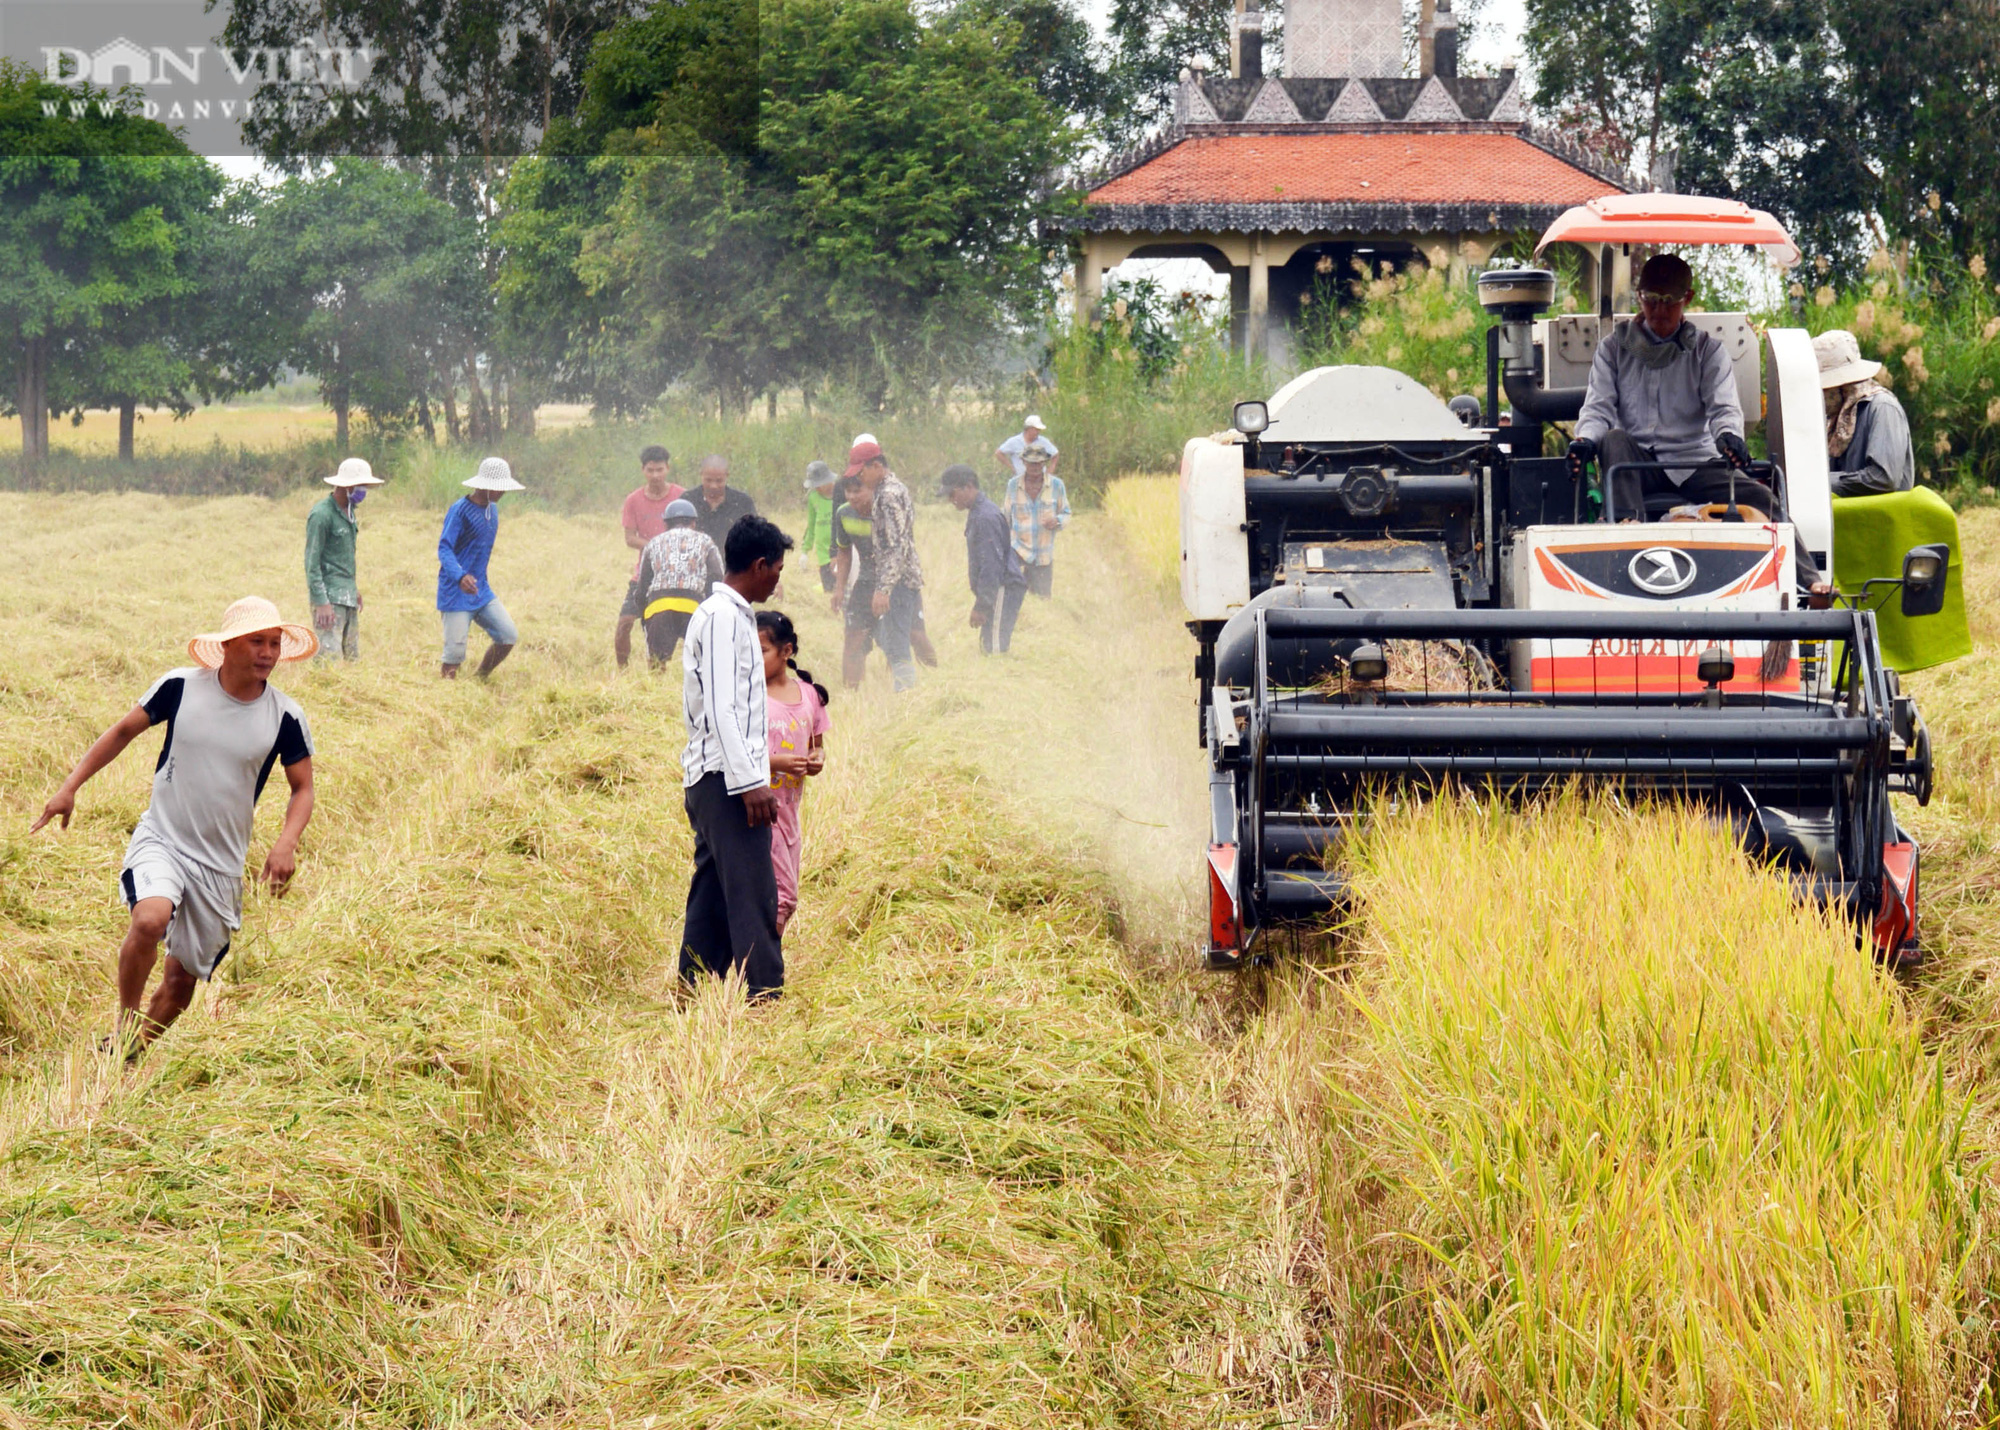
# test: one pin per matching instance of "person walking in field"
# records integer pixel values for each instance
(822, 496)
(643, 517)
(331, 529)
(732, 904)
(677, 570)
(854, 576)
(464, 548)
(1010, 452)
(1037, 507)
(795, 726)
(183, 872)
(719, 506)
(991, 567)
(899, 576)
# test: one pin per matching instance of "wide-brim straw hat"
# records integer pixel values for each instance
(354, 472)
(245, 617)
(1840, 360)
(494, 475)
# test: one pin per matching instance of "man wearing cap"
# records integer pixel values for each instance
(717, 505)
(817, 543)
(464, 548)
(644, 517)
(1867, 432)
(1009, 452)
(991, 567)
(677, 570)
(330, 589)
(183, 873)
(899, 576)
(1036, 507)
(1662, 390)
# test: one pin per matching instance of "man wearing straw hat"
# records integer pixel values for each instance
(330, 589)
(183, 872)
(1867, 431)
(464, 548)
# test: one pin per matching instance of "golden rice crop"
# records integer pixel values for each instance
(1607, 1128)
(440, 1146)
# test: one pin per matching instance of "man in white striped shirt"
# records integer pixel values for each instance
(732, 905)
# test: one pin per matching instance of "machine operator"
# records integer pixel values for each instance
(1662, 390)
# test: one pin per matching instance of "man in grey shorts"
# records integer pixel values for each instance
(183, 872)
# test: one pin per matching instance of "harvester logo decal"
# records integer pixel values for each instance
(1663, 570)
(1689, 571)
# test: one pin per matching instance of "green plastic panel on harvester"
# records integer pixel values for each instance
(1871, 535)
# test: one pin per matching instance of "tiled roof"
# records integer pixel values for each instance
(1496, 170)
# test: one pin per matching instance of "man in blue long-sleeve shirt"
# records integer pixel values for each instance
(991, 564)
(464, 548)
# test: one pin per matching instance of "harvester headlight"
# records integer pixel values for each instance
(1251, 418)
(1368, 663)
(1924, 572)
(1716, 666)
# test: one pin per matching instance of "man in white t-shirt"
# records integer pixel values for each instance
(1009, 452)
(183, 871)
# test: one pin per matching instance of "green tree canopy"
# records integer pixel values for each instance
(99, 215)
(863, 206)
(1826, 112)
(368, 281)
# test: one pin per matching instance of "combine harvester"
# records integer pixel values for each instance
(1388, 592)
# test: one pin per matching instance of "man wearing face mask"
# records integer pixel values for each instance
(331, 529)
(1662, 390)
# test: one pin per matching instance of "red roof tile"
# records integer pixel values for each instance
(1421, 168)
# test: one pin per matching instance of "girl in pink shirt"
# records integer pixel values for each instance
(796, 724)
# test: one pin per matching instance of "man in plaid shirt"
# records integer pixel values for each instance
(1037, 508)
(899, 576)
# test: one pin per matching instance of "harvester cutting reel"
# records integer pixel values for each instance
(1306, 726)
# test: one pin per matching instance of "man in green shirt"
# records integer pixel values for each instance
(330, 532)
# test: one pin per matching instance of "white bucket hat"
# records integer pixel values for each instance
(245, 617)
(354, 472)
(1034, 420)
(1840, 360)
(494, 475)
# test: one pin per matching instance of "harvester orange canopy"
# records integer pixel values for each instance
(1671, 218)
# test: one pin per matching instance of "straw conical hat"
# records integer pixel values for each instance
(244, 616)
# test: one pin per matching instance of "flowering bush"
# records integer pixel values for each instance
(1415, 321)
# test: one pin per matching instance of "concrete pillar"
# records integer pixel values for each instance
(1256, 345)
(1239, 309)
(1089, 280)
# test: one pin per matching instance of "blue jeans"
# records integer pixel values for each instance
(491, 618)
(892, 633)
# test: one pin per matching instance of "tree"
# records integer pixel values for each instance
(1152, 40)
(367, 279)
(1824, 111)
(98, 212)
(878, 225)
(424, 80)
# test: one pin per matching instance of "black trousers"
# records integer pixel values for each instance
(1705, 485)
(732, 906)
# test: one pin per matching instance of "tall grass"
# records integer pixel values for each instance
(1134, 382)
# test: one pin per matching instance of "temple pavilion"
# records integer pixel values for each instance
(1343, 156)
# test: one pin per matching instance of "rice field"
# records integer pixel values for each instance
(1589, 1125)
(248, 424)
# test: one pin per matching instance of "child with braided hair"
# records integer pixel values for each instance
(796, 727)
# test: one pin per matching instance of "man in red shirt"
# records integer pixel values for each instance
(645, 517)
